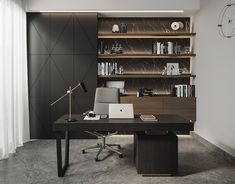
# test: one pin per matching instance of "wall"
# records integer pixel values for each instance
(214, 66)
(62, 51)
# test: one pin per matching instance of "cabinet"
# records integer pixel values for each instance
(144, 68)
(156, 155)
(184, 106)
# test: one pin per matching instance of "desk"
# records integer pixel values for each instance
(165, 123)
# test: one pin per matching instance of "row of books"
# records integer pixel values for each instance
(183, 90)
(107, 68)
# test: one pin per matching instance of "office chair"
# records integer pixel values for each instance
(104, 97)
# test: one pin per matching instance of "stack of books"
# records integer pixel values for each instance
(183, 90)
(107, 68)
(148, 118)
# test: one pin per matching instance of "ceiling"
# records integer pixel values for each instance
(118, 8)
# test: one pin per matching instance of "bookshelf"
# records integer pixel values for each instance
(144, 68)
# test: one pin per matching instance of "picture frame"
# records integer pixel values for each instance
(172, 69)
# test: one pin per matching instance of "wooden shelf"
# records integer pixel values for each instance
(154, 96)
(146, 76)
(145, 35)
(143, 56)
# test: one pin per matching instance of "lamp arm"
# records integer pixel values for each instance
(79, 84)
(68, 92)
(59, 99)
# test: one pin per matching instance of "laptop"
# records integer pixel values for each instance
(120, 111)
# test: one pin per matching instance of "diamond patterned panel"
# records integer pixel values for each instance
(61, 52)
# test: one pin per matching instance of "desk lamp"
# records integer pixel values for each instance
(69, 92)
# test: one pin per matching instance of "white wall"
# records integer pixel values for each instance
(215, 85)
(76, 5)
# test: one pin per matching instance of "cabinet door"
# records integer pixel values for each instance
(185, 107)
(145, 105)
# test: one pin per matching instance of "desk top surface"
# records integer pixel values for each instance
(165, 122)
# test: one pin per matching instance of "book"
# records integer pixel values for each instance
(106, 68)
(148, 118)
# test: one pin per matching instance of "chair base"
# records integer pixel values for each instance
(103, 146)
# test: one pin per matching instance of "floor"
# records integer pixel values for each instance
(35, 163)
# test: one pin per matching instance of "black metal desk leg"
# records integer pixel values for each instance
(67, 137)
(62, 169)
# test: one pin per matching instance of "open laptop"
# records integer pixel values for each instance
(121, 111)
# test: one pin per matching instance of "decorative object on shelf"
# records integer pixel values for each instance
(145, 92)
(172, 69)
(123, 28)
(106, 49)
(187, 26)
(69, 92)
(176, 26)
(101, 49)
(164, 72)
(187, 50)
(116, 49)
(115, 28)
(120, 70)
(113, 49)
(226, 23)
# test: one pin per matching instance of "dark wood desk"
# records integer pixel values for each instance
(165, 123)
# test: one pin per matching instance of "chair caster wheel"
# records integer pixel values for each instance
(83, 151)
(119, 147)
(96, 159)
(121, 156)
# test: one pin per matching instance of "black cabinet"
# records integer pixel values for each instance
(156, 154)
(62, 50)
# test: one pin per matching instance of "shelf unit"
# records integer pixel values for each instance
(147, 67)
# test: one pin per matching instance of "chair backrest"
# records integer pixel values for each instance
(104, 97)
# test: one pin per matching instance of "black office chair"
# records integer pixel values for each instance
(104, 97)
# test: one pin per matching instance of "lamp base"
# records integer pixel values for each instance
(70, 120)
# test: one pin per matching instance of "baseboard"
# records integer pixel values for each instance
(214, 148)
